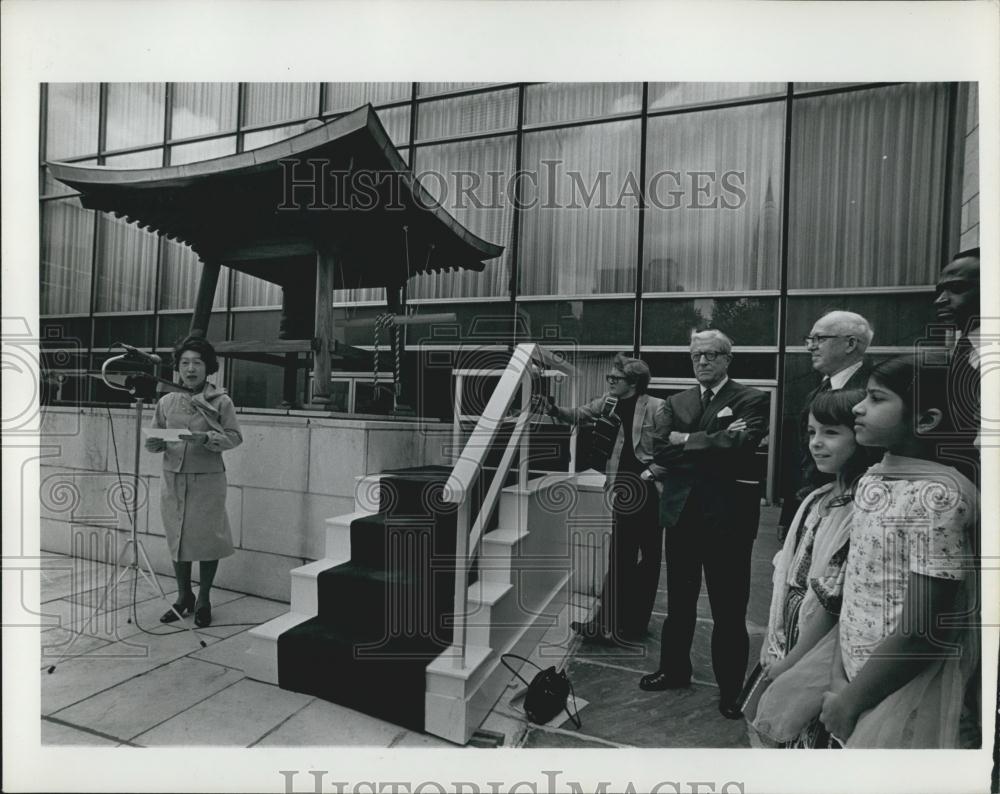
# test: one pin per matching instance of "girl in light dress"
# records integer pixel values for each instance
(908, 639)
(808, 583)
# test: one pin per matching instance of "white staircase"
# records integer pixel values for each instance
(524, 567)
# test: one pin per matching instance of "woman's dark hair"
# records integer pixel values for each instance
(636, 371)
(921, 382)
(835, 408)
(200, 346)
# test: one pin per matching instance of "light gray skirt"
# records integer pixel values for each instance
(193, 507)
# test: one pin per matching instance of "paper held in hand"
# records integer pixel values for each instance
(167, 434)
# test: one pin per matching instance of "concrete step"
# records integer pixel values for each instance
(261, 661)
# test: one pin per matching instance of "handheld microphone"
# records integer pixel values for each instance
(150, 357)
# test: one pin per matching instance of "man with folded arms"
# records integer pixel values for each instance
(710, 512)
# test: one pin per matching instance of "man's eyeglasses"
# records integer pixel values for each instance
(613, 379)
(709, 355)
(818, 339)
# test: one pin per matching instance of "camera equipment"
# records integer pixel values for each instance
(605, 433)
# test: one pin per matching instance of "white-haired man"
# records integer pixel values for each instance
(837, 344)
(710, 514)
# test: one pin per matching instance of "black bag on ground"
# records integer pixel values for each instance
(547, 693)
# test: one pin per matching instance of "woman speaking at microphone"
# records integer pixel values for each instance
(193, 488)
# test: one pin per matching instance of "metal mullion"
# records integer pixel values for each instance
(477, 136)
(515, 246)
(844, 90)
(462, 92)
(643, 126)
(323, 91)
(566, 125)
(241, 89)
(43, 122)
(779, 407)
(211, 136)
(102, 121)
(411, 144)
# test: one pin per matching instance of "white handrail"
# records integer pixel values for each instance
(517, 377)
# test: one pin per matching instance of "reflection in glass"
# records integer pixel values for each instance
(579, 322)
(202, 108)
(253, 291)
(713, 218)
(67, 232)
(150, 158)
(880, 157)
(71, 119)
(580, 223)
(427, 89)
(748, 321)
(180, 272)
(254, 140)
(202, 150)
(555, 102)
(135, 114)
(342, 97)
(670, 95)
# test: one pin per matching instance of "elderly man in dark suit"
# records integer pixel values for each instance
(837, 344)
(710, 514)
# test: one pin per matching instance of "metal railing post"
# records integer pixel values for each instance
(462, 527)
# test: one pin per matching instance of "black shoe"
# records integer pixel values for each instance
(659, 681)
(730, 709)
(203, 617)
(183, 608)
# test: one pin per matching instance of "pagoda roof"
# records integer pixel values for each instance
(340, 186)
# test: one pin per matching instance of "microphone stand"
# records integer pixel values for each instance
(145, 569)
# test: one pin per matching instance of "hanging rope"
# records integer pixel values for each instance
(383, 320)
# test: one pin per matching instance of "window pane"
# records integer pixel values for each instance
(397, 124)
(174, 327)
(202, 108)
(151, 158)
(137, 330)
(482, 211)
(268, 103)
(252, 291)
(554, 102)
(744, 366)
(135, 114)
(67, 246)
(203, 150)
(125, 266)
(475, 323)
(582, 322)
(254, 140)
(747, 321)
(350, 96)
(427, 89)
(800, 87)
(669, 95)
(867, 187)
(71, 119)
(713, 219)
(450, 118)
(180, 273)
(897, 319)
(580, 224)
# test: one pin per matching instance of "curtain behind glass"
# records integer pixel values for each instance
(180, 272)
(269, 103)
(467, 115)
(341, 97)
(666, 95)
(489, 215)
(71, 119)
(125, 268)
(571, 245)
(67, 232)
(589, 379)
(690, 245)
(556, 102)
(202, 108)
(253, 291)
(868, 187)
(135, 114)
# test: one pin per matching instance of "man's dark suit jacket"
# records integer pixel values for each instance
(713, 457)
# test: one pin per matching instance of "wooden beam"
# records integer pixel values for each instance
(326, 263)
(206, 297)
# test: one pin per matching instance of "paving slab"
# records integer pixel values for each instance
(163, 693)
(324, 724)
(54, 733)
(237, 716)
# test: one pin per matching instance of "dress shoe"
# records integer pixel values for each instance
(659, 681)
(183, 608)
(730, 709)
(203, 617)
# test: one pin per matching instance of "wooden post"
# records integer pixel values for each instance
(326, 261)
(206, 297)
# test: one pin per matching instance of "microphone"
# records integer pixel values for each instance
(150, 357)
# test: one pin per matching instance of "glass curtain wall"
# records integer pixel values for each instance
(629, 213)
